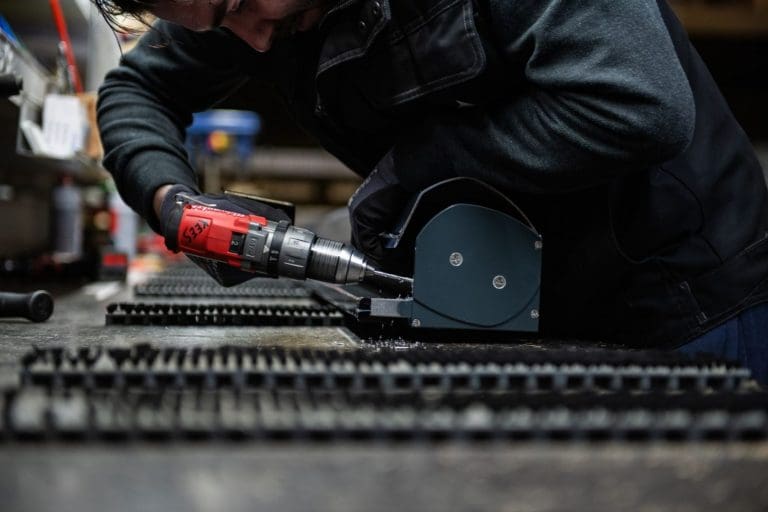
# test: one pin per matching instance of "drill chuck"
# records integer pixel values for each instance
(335, 262)
(299, 254)
(332, 262)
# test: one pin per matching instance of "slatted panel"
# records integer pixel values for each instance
(202, 314)
(32, 414)
(202, 285)
(384, 370)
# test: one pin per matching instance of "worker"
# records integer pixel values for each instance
(597, 117)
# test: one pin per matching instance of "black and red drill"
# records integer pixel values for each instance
(277, 249)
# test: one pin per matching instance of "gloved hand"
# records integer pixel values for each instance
(170, 217)
(375, 208)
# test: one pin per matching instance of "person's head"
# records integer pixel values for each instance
(257, 22)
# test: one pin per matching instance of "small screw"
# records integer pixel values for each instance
(499, 282)
(415, 322)
(456, 259)
(534, 314)
(538, 244)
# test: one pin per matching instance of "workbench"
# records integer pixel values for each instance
(349, 475)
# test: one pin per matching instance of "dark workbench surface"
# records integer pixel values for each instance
(382, 478)
(361, 476)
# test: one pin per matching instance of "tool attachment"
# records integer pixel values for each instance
(476, 262)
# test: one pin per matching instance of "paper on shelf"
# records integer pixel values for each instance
(65, 125)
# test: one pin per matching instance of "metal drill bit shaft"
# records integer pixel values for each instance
(400, 284)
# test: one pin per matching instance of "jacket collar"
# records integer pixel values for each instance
(340, 6)
(349, 29)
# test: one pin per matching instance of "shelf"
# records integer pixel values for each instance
(732, 19)
(291, 163)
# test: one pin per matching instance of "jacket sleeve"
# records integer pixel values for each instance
(605, 93)
(146, 104)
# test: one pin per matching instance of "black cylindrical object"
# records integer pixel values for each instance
(10, 85)
(36, 306)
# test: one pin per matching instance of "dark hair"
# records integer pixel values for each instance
(112, 10)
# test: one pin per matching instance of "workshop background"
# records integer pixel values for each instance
(151, 388)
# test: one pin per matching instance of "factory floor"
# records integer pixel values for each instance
(351, 475)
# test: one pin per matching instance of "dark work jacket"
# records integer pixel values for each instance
(596, 116)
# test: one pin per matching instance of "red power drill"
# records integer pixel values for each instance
(276, 249)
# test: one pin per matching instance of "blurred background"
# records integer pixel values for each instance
(59, 214)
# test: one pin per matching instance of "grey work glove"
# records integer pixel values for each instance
(170, 217)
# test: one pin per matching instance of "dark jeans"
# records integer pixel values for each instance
(743, 339)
